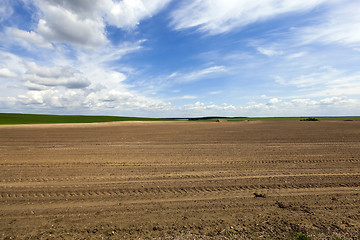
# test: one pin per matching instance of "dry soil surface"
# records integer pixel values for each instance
(182, 180)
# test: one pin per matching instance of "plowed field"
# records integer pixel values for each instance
(184, 180)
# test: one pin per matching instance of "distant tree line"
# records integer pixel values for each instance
(213, 117)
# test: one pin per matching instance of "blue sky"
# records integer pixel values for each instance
(169, 58)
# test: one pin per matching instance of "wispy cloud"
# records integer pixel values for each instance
(327, 81)
(215, 17)
(339, 25)
(196, 75)
(324, 76)
(268, 52)
(184, 97)
(215, 92)
(5, 10)
(295, 55)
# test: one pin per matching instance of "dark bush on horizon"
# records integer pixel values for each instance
(310, 119)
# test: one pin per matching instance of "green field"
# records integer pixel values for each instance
(16, 118)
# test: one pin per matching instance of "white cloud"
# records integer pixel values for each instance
(215, 92)
(48, 97)
(12, 63)
(38, 77)
(329, 106)
(83, 8)
(209, 72)
(5, 10)
(29, 37)
(327, 81)
(86, 84)
(215, 17)
(128, 13)
(187, 97)
(348, 85)
(108, 53)
(205, 109)
(6, 73)
(126, 101)
(83, 22)
(296, 55)
(322, 77)
(100, 101)
(339, 25)
(268, 52)
(63, 25)
(274, 101)
(73, 77)
(325, 76)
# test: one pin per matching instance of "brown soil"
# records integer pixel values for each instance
(183, 180)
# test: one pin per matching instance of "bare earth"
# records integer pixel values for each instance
(184, 180)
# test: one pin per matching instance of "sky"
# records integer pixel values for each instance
(180, 58)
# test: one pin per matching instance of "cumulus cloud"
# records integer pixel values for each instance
(82, 85)
(326, 106)
(102, 101)
(83, 22)
(48, 97)
(61, 24)
(273, 101)
(6, 73)
(73, 77)
(83, 8)
(125, 100)
(215, 17)
(36, 78)
(26, 37)
(89, 101)
(333, 106)
(11, 63)
(128, 13)
(207, 109)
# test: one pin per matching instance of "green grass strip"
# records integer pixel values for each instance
(17, 118)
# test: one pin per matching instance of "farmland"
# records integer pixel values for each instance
(180, 179)
(18, 118)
